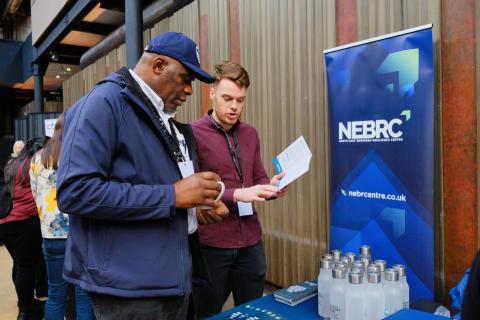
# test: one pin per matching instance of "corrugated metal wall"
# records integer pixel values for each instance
(281, 44)
(281, 47)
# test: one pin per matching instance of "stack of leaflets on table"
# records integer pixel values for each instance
(297, 293)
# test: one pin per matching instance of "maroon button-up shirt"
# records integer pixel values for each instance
(214, 155)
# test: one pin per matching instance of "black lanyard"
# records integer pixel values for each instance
(173, 143)
(172, 140)
(234, 150)
(173, 134)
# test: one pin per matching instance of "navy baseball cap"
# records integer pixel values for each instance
(181, 48)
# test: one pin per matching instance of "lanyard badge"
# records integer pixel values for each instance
(234, 150)
(244, 208)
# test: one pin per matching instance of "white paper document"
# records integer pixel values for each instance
(294, 160)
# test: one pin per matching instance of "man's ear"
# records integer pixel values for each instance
(212, 93)
(159, 64)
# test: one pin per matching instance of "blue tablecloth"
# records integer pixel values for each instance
(267, 308)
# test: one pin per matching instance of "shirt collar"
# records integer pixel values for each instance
(154, 97)
(208, 118)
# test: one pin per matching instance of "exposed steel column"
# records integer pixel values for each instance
(205, 88)
(346, 21)
(133, 31)
(459, 137)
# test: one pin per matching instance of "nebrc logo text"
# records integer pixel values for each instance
(380, 130)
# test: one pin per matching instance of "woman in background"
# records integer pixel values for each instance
(20, 231)
(17, 149)
(54, 227)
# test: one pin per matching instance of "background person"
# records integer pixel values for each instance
(126, 186)
(233, 248)
(54, 228)
(20, 232)
(17, 149)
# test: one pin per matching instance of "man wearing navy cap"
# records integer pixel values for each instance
(126, 178)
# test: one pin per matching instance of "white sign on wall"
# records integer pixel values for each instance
(49, 127)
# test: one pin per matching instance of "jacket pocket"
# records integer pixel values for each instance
(99, 246)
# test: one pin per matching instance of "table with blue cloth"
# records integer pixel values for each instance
(267, 308)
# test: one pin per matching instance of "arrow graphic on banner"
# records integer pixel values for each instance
(407, 113)
(397, 218)
(404, 62)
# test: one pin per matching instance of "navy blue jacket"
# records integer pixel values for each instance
(115, 180)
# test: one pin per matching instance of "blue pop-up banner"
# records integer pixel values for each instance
(381, 104)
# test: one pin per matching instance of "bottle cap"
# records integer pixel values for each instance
(327, 263)
(346, 261)
(391, 275)
(373, 268)
(355, 278)
(365, 250)
(338, 273)
(402, 272)
(356, 270)
(351, 256)
(341, 265)
(337, 254)
(328, 256)
(366, 259)
(381, 263)
(374, 277)
(358, 264)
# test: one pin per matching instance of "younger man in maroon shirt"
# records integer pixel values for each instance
(233, 247)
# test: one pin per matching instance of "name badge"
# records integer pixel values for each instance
(186, 168)
(244, 208)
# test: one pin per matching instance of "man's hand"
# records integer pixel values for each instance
(275, 180)
(259, 192)
(217, 213)
(200, 189)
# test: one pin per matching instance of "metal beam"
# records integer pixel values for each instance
(114, 5)
(70, 18)
(134, 34)
(96, 28)
(69, 50)
(155, 12)
(68, 60)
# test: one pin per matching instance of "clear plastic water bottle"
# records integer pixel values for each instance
(337, 254)
(403, 284)
(365, 250)
(393, 296)
(324, 281)
(374, 297)
(337, 294)
(354, 297)
(373, 268)
(383, 266)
